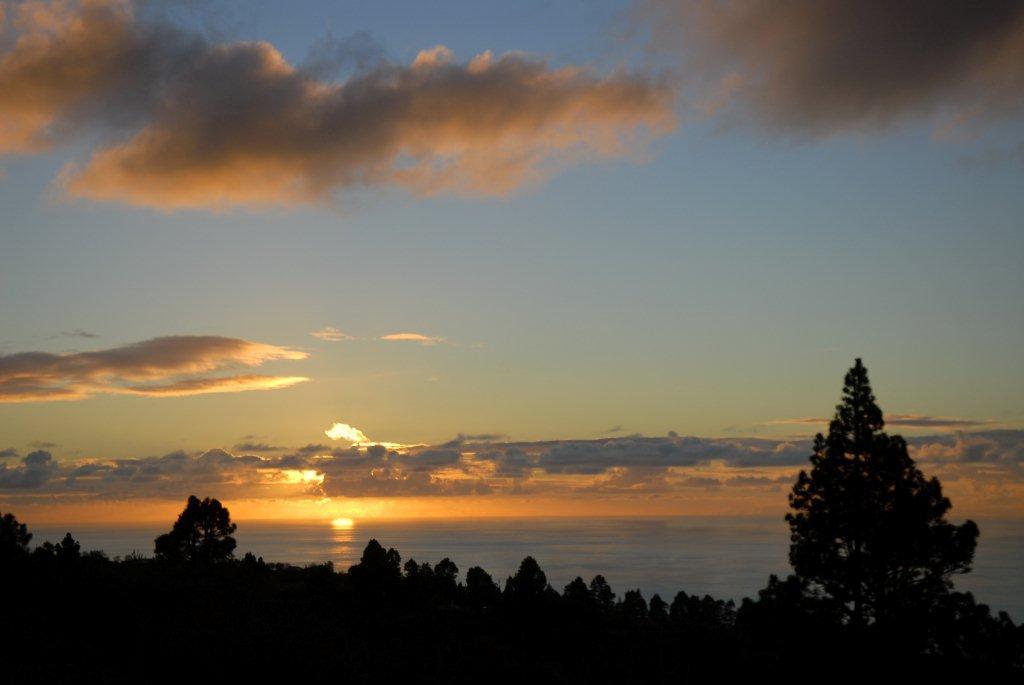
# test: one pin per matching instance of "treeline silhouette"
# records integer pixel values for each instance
(871, 596)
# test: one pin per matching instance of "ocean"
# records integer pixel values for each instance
(728, 558)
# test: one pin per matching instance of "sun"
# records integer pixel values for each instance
(343, 522)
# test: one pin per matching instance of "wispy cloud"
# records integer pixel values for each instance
(331, 334)
(419, 338)
(79, 333)
(160, 367)
(158, 93)
(904, 420)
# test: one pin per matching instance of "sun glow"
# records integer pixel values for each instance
(292, 476)
(343, 522)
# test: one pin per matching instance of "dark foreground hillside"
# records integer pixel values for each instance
(69, 617)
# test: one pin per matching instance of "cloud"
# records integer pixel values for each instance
(597, 456)
(187, 122)
(37, 468)
(816, 67)
(170, 366)
(79, 333)
(343, 431)
(331, 334)
(473, 438)
(413, 337)
(8, 453)
(509, 462)
(247, 447)
(650, 467)
(903, 420)
(351, 434)
(980, 447)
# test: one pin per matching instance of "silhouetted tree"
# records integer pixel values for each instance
(633, 607)
(783, 607)
(481, 590)
(446, 572)
(704, 612)
(68, 549)
(578, 594)
(446, 579)
(14, 538)
(378, 568)
(658, 608)
(602, 593)
(202, 534)
(528, 584)
(251, 561)
(867, 527)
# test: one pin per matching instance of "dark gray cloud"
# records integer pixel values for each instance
(820, 66)
(8, 453)
(990, 447)
(160, 367)
(192, 122)
(509, 462)
(473, 438)
(249, 446)
(596, 456)
(923, 421)
(37, 469)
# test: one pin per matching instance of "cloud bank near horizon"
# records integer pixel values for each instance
(182, 121)
(170, 366)
(982, 463)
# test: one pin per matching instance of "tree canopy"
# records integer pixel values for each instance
(868, 529)
(14, 537)
(202, 534)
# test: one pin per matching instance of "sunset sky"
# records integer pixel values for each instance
(535, 257)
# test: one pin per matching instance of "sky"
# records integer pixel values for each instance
(554, 257)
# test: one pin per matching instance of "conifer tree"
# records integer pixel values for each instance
(867, 528)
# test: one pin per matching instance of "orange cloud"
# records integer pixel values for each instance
(197, 124)
(413, 337)
(331, 334)
(160, 367)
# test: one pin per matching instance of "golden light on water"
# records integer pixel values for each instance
(343, 522)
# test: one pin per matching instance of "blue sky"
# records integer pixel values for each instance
(722, 280)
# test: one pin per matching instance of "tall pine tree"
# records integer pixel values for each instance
(867, 528)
